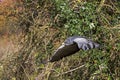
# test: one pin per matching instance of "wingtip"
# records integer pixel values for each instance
(54, 59)
(50, 60)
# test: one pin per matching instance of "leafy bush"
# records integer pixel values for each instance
(78, 20)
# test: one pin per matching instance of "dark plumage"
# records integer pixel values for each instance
(72, 45)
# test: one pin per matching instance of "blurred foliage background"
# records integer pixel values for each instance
(37, 29)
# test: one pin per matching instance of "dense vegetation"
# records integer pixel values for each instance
(45, 24)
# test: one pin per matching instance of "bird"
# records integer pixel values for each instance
(72, 45)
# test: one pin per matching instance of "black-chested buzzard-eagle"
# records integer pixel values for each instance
(72, 45)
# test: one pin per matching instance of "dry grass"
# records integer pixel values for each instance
(8, 45)
(8, 19)
(24, 56)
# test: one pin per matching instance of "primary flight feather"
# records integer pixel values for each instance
(72, 45)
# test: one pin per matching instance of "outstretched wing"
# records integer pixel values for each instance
(71, 46)
(63, 51)
(85, 44)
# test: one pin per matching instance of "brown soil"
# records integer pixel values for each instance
(8, 46)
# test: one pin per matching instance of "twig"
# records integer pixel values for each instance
(71, 70)
(100, 6)
(108, 6)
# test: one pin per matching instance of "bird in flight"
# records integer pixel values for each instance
(72, 45)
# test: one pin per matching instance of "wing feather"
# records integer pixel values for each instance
(64, 51)
(85, 44)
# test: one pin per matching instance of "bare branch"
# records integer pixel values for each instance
(71, 70)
